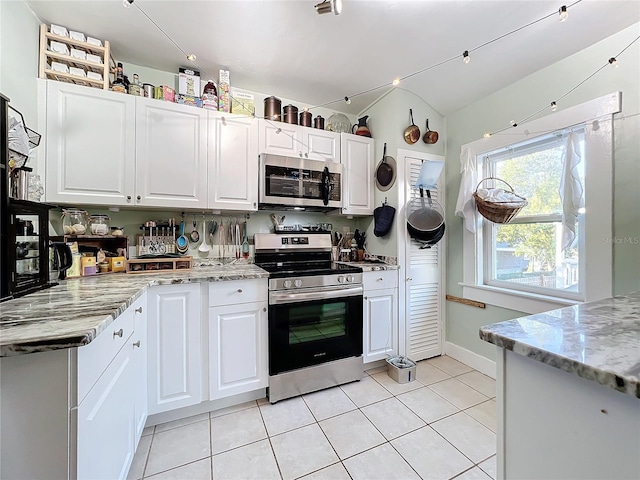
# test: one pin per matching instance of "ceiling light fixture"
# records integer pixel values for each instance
(554, 106)
(465, 56)
(191, 57)
(395, 82)
(487, 135)
(613, 62)
(563, 13)
(328, 6)
(347, 100)
(513, 123)
(127, 3)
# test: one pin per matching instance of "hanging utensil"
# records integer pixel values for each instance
(204, 248)
(221, 240)
(194, 236)
(430, 137)
(385, 172)
(412, 132)
(237, 239)
(245, 243)
(182, 243)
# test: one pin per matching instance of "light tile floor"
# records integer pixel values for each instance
(440, 426)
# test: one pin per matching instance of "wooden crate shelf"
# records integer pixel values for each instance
(159, 265)
(106, 68)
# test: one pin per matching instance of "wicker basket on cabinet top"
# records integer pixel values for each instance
(47, 57)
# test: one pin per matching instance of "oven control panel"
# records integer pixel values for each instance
(315, 281)
(295, 240)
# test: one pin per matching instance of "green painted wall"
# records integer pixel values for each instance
(521, 99)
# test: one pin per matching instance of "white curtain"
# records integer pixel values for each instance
(466, 205)
(571, 189)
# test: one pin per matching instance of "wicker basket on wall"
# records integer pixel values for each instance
(498, 212)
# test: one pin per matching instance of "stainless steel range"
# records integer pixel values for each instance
(315, 314)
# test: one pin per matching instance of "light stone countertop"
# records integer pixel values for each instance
(598, 341)
(372, 267)
(74, 313)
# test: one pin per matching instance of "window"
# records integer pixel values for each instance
(529, 253)
(526, 265)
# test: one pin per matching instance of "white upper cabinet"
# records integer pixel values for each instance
(171, 155)
(281, 138)
(233, 162)
(357, 181)
(90, 145)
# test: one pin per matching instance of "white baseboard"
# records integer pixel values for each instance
(480, 363)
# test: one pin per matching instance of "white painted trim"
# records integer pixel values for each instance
(478, 362)
(514, 299)
(597, 115)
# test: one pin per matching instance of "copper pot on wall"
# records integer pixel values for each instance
(273, 108)
(290, 114)
(318, 122)
(305, 118)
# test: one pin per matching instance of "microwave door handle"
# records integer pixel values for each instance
(325, 187)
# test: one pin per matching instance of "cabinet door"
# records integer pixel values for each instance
(322, 144)
(280, 138)
(175, 353)
(233, 162)
(357, 182)
(171, 155)
(138, 342)
(90, 145)
(380, 330)
(237, 349)
(106, 426)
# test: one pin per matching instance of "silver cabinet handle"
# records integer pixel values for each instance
(380, 279)
(118, 333)
(136, 344)
(409, 279)
(138, 197)
(139, 310)
(239, 290)
(264, 309)
(366, 298)
(128, 198)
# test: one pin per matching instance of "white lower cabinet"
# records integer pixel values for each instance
(106, 422)
(237, 349)
(174, 347)
(380, 323)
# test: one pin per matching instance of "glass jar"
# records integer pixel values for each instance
(117, 231)
(74, 221)
(100, 224)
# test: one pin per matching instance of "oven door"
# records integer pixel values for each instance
(310, 328)
(297, 182)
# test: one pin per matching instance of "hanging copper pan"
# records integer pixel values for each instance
(412, 132)
(430, 136)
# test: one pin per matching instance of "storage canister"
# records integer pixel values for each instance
(291, 114)
(272, 108)
(305, 118)
(148, 90)
(318, 122)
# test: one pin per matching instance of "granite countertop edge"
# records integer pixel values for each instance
(611, 377)
(136, 285)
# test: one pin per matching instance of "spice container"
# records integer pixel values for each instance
(103, 267)
(74, 221)
(99, 224)
(117, 231)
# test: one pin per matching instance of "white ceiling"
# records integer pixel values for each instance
(284, 48)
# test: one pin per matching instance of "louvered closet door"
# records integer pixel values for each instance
(423, 287)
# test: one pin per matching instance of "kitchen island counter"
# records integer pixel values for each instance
(568, 391)
(74, 313)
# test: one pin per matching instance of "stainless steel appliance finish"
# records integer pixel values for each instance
(296, 182)
(315, 314)
(318, 377)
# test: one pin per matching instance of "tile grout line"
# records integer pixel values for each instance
(273, 452)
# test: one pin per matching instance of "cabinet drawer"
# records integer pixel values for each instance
(94, 358)
(380, 279)
(237, 291)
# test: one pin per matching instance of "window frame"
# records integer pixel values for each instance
(488, 167)
(597, 117)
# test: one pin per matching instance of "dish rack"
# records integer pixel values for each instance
(105, 68)
(34, 140)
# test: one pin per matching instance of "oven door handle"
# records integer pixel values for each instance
(277, 298)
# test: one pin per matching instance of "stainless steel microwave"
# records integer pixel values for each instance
(299, 183)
